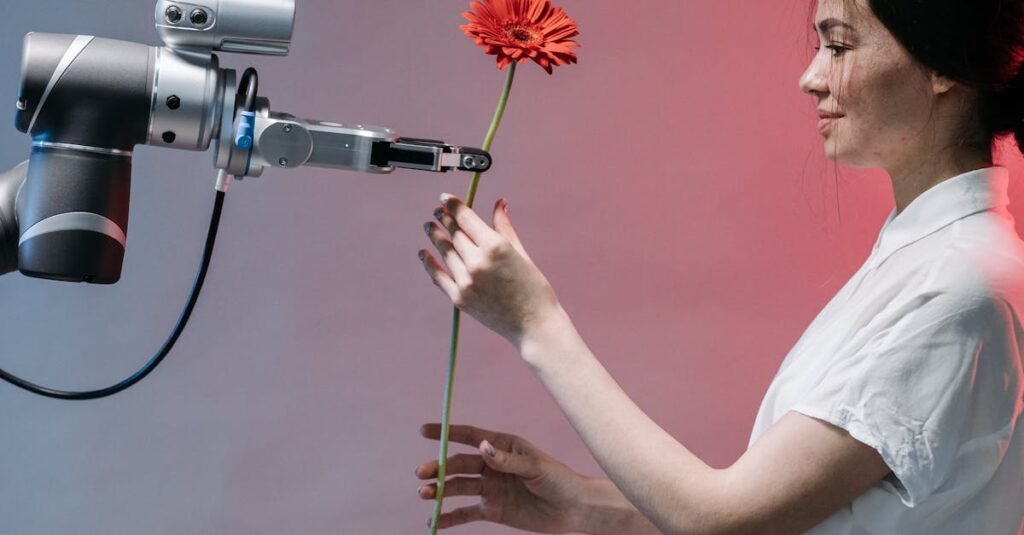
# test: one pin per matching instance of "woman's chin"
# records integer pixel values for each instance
(836, 153)
(832, 152)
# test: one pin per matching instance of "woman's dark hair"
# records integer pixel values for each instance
(978, 43)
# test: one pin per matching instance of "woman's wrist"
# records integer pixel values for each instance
(605, 511)
(550, 334)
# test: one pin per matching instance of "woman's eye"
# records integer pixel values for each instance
(837, 50)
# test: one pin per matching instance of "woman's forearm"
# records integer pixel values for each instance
(605, 511)
(666, 482)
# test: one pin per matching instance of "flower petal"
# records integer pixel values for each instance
(517, 30)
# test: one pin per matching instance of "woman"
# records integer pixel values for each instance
(900, 408)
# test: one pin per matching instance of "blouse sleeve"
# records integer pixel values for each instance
(935, 389)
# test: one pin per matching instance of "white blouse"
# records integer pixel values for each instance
(919, 356)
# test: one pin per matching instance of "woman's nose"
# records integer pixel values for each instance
(813, 80)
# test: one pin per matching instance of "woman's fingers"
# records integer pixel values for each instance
(525, 464)
(462, 515)
(456, 486)
(467, 220)
(464, 245)
(462, 434)
(462, 463)
(441, 278)
(449, 254)
(503, 225)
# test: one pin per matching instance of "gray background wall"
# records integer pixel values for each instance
(671, 186)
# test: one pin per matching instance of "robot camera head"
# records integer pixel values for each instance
(241, 26)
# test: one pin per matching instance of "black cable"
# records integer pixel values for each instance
(211, 237)
(247, 87)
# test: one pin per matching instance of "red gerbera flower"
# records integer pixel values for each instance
(517, 30)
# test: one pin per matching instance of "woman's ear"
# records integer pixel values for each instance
(942, 84)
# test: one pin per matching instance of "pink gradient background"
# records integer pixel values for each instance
(672, 186)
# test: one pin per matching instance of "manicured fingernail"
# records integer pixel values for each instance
(489, 448)
(421, 255)
(445, 197)
(427, 227)
(438, 214)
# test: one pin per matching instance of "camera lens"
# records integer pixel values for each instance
(199, 17)
(173, 14)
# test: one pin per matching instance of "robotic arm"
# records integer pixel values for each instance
(87, 102)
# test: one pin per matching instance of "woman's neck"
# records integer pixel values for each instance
(922, 173)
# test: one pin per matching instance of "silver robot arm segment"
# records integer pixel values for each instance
(284, 141)
(281, 140)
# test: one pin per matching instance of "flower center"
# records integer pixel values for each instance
(520, 33)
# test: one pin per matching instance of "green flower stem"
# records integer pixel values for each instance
(442, 459)
(495, 122)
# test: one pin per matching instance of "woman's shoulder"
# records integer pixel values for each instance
(984, 257)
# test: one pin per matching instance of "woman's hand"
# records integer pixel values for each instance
(519, 485)
(489, 275)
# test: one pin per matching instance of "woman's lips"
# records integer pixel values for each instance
(825, 122)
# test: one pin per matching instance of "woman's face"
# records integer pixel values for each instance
(874, 98)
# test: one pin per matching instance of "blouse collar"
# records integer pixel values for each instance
(941, 205)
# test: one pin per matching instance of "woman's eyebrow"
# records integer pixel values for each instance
(827, 24)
